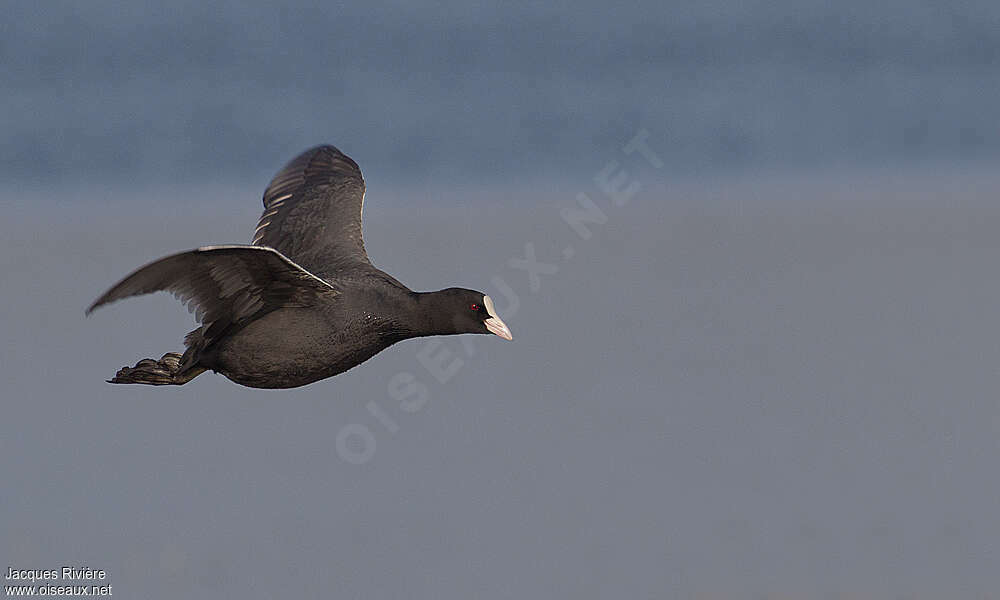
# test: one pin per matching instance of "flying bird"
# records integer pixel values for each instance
(303, 302)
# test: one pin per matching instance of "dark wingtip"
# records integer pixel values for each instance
(97, 304)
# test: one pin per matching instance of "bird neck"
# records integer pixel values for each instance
(432, 314)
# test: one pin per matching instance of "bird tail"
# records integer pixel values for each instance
(169, 370)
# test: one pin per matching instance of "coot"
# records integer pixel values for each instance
(303, 302)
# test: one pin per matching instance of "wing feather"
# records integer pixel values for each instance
(313, 211)
(225, 284)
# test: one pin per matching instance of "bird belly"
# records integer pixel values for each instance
(290, 348)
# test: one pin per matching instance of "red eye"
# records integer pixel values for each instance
(474, 307)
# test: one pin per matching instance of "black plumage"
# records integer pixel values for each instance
(303, 302)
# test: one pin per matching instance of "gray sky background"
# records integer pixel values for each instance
(771, 374)
(187, 91)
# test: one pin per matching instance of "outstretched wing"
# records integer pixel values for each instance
(312, 212)
(225, 285)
